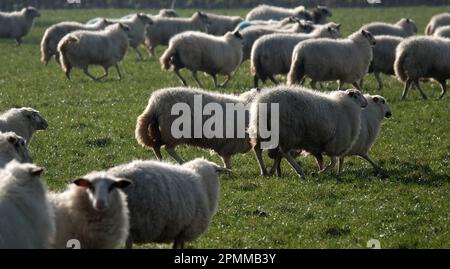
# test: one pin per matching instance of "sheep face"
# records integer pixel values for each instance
(102, 189)
(202, 17)
(357, 97)
(15, 146)
(408, 24)
(334, 32)
(307, 26)
(25, 172)
(381, 103)
(126, 29)
(31, 12)
(34, 118)
(369, 37)
(325, 11)
(145, 19)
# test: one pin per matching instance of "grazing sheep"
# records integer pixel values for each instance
(105, 48)
(153, 128)
(168, 13)
(437, 21)
(17, 24)
(443, 31)
(198, 51)
(220, 25)
(403, 28)
(265, 12)
(346, 60)
(163, 29)
(169, 203)
(27, 219)
(308, 120)
(23, 121)
(13, 147)
(271, 54)
(94, 211)
(423, 57)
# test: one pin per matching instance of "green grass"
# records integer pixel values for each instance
(92, 127)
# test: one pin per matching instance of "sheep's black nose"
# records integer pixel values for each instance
(388, 114)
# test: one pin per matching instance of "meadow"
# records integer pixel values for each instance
(92, 128)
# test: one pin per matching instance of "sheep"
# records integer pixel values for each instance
(403, 28)
(168, 13)
(23, 121)
(93, 210)
(13, 147)
(219, 25)
(169, 203)
(308, 120)
(437, 21)
(163, 29)
(153, 127)
(272, 54)
(443, 31)
(202, 52)
(346, 60)
(266, 12)
(105, 48)
(27, 220)
(17, 24)
(423, 57)
(289, 21)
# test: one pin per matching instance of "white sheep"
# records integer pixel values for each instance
(163, 29)
(94, 211)
(266, 12)
(27, 219)
(153, 127)
(289, 21)
(137, 24)
(346, 60)
(17, 24)
(308, 120)
(220, 24)
(198, 51)
(168, 13)
(23, 121)
(13, 147)
(423, 57)
(271, 54)
(169, 203)
(437, 21)
(443, 31)
(105, 48)
(403, 28)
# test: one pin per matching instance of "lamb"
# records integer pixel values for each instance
(153, 128)
(443, 31)
(27, 220)
(17, 24)
(169, 203)
(271, 54)
(105, 48)
(93, 210)
(13, 147)
(346, 60)
(163, 29)
(266, 12)
(219, 25)
(23, 121)
(423, 57)
(437, 21)
(308, 120)
(403, 28)
(202, 52)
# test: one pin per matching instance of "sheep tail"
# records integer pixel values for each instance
(296, 73)
(257, 69)
(45, 53)
(147, 129)
(400, 72)
(62, 49)
(166, 58)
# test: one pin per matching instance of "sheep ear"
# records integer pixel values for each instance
(82, 182)
(375, 99)
(363, 32)
(408, 20)
(123, 183)
(338, 26)
(237, 34)
(12, 139)
(37, 171)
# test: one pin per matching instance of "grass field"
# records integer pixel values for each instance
(92, 127)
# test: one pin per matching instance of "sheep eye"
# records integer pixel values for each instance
(384, 102)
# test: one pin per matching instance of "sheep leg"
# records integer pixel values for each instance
(18, 41)
(86, 72)
(174, 155)
(294, 164)
(380, 82)
(356, 85)
(313, 84)
(361, 83)
(417, 86)
(319, 160)
(68, 70)
(129, 243)
(224, 84)
(330, 166)
(226, 161)
(341, 165)
(157, 152)
(276, 166)
(194, 74)
(177, 244)
(151, 51)
(214, 77)
(177, 72)
(406, 88)
(262, 166)
(118, 71)
(255, 81)
(341, 86)
(443, 83)
(376, 167)
(274, 81)
(138, 53)
(104, 75)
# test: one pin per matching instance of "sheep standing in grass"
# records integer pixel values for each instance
(23, 121)
(272, 54)
(403, 28)
(443, 31)
(423, 57)
(13, 147)
(27, 219)
(308, 120)
(437, 21)
(266, 12)
(153, 128)
(93, 210)
(169, 203)
(163, 29)
(202, 52)
(220, 25)
(16, 25)
(105, 48)
(346, 60)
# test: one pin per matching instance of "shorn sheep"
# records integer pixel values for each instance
(169, 203)
(23, 121)
(16, 25)
(153, 128)
(27, 220)
(56, 32)
(105, 48)
(308, 120)
(423, 57)
(94, 211)
(271, 54)
(403, 28)
(13, 147)
(220, 24)
(346, 60)
(443, 31)
(163, 29)
(266, 12)
(198, 51)
(437, 21)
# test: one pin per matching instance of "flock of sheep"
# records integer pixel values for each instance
(154, 201)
